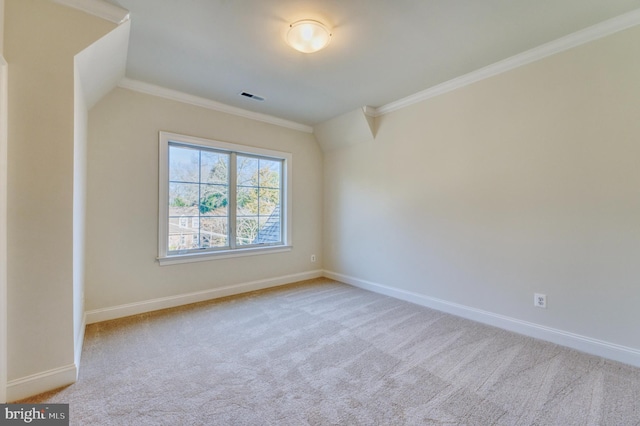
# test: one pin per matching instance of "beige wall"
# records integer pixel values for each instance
(41, 39)
(122, 203)
(1, 27)
(3, 212)
(525, 182)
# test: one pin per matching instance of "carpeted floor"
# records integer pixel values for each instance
(324, 353)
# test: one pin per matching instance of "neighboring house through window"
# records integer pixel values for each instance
(219, 199)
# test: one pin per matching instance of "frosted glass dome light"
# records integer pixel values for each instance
(308, 36)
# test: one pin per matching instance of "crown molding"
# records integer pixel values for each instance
(175, 95)
(369, 111)
(578, 38)
(98, 8)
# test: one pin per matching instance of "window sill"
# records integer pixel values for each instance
(226, 254)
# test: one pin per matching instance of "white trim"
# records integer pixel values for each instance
(98, 8)
(175, 95)
(370, 111)
(225, 254)
(105, 314)
(578, 38)
(581, 343)
(4, 68)
(41, 382)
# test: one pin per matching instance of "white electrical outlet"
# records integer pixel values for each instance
(540, 300)
(313, 257)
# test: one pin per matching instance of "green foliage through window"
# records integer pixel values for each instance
(200, 200)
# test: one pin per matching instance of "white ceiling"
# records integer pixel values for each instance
(381, 50)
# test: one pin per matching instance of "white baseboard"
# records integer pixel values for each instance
(41, 382)
(581, 343)
(105, 314)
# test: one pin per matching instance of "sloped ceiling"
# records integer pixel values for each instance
(102, 65)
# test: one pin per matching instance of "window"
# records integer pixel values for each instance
(219, 199)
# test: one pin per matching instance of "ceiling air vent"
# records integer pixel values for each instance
(252, 96)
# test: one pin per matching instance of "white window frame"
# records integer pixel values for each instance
(164, 257)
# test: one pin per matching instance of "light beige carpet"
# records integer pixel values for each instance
(324, 353)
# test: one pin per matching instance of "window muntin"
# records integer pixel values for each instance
(220, 198)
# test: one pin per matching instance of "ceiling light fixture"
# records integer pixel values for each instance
(308, 36)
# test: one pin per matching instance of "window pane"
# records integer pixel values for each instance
(270, 173)
(214, 232)
(269, 231)
(247, 230)
(213, 200)
(269, 200)
(183, 199)
(214, 167)
(247, 200)
(258, 201)
(247, 171)
(183, 164)
(182, 234)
